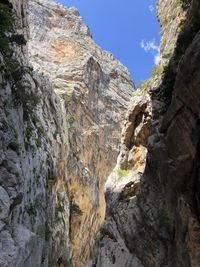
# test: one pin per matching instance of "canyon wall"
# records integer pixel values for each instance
(34, 150)
(152, 216)
(72, 126)
(95, 90)
(63, 104)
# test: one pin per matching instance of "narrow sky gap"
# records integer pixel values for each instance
(128, 29)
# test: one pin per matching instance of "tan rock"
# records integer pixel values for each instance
(94, 89)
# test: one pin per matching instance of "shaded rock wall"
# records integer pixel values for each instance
(33, 149)
(65, 140)
(60, 127)
(152, 217)
(91, 85)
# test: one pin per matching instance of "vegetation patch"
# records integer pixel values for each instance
(14, 146)
(29, 131)
(123, 196)
(75, 209)
(38, 142)
(157, 71)
(163, 44)
(145, 85)
(44, 231)
(11, 67)
(122, 173)
(6, 25)
(31, 209)
(27, 99)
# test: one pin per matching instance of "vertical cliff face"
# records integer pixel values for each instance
(63, 106)
(33, 147)
(95, 90)
(152, 216)
(60, 131)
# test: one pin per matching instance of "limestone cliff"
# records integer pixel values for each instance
(152, 216)
(95, 89)
(33, 147)
(60, 130)
(67, 110)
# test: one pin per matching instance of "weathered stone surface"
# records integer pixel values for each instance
(55, 158)
(32, 145)
(159, 226)
(60, 130)
(20, 247)
(136, 130)
(122, 186)
(4, 207)
(95, 90)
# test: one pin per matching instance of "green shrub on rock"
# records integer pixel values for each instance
(122, 173)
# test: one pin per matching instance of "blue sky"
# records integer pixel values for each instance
(128, 29)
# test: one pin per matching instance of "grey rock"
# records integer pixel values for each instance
(4, 207)
(159, 222)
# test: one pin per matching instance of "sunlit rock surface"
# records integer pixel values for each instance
(72, 129)
(95, 90)
(152, 216)
(60, 136)
(33, 145)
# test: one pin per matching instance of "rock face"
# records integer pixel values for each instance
(60, 130)
(123, 185)
(152, 216)
(63, 106)
(33, 154)
(95, 89)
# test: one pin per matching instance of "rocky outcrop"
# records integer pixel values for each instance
(152, 216)
(33, 147)
(136, 130)
(61, 124)
(95, 89)
(123, 185)
(63, 105)
(60, 129)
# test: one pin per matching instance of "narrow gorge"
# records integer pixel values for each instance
(94, 172)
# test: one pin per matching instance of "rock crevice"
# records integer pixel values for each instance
(73, 129)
